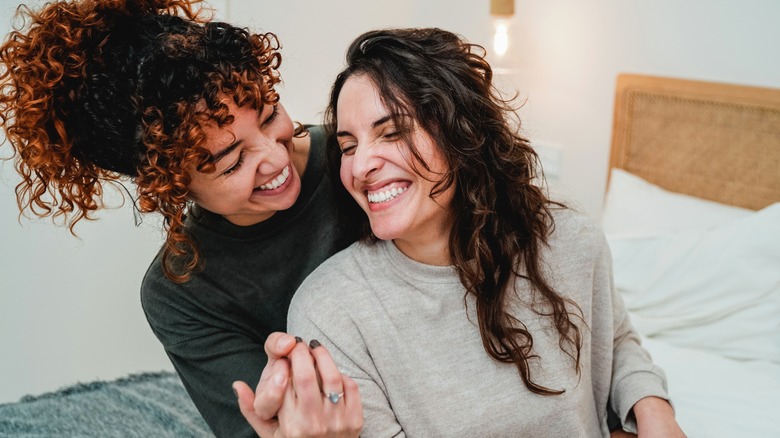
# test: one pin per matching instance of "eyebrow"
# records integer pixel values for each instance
(378, 122)
(232, 146)
(224, 152)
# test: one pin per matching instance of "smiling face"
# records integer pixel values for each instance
(255, 173)
(381, 173)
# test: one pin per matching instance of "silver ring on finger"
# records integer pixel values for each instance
(334, 397)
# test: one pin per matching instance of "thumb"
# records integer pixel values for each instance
(246, 398)
(278, 345)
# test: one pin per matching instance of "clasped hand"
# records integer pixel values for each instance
(301, 393)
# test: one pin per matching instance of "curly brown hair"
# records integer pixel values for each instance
(94, 90)
(502, 218)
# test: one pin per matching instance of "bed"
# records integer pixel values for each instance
(142, 405)
(692, 215)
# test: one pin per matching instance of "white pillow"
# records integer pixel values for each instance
(715, 289)
(635, 207)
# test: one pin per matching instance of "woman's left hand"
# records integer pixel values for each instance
(330, 400)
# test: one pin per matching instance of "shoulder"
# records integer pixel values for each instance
(339, 281)
(576, 235)
(312, 140)
(310, 150)
(342, 268)
(163, 302)
(572, 226)
(157, 293)
(341, 301)
(154, 284)
(317, 135)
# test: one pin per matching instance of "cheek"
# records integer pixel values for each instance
(286, 127)
(206, 190)
(345, 173)
(193, 189)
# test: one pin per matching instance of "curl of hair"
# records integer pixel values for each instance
(502, 218)
(97, 90)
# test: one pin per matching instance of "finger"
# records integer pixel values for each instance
(305, 379)
(328, 371)
(278, 344)
(245, 399)
(269, 398)
(289, 417)
(353, 404)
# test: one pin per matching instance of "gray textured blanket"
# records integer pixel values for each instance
(140, 405)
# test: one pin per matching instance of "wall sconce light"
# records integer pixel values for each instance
(501, 11)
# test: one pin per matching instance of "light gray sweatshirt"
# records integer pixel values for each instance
(402, 330)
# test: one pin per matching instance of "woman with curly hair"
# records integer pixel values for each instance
(473, 305)
(97, 91)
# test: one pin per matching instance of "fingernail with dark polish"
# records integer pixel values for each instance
(298, 339)
(314, 344)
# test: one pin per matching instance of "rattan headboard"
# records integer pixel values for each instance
(715, 141)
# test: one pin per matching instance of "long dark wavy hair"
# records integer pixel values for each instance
(94, 90)
(502, 217)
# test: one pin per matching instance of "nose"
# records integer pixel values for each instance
(268, 154)
(365, 161)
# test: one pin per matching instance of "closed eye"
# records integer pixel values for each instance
(236, 166)
(391, 136)
(348, 149)
(271, 117)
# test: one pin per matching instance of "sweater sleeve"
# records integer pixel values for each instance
(317, 313)
(207, 359)
(634, 375)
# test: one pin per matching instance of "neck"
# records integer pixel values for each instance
(429, 251)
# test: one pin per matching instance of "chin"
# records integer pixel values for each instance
(292, 194)
(384, 232)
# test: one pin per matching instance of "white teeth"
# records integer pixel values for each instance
(385, 196)
(278, 181)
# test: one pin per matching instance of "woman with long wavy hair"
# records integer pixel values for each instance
(472, 305)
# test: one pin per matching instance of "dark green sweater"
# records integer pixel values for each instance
(213, 327)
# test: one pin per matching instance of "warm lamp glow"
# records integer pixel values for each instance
(501, 12)
(501, 39)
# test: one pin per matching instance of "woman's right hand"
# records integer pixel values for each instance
(317, 401)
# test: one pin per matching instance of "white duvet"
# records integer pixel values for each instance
(701, 282)
(718, 397)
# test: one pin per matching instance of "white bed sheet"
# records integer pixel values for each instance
(701, 282)
(718, 397)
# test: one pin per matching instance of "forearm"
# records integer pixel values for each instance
(655, 418)
(209, 385)
(649, 408)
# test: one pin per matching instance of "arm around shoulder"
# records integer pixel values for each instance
(207, 358)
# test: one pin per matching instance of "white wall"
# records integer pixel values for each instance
(69, 308)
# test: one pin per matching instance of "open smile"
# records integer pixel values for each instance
(277, 182)
(386, 193)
